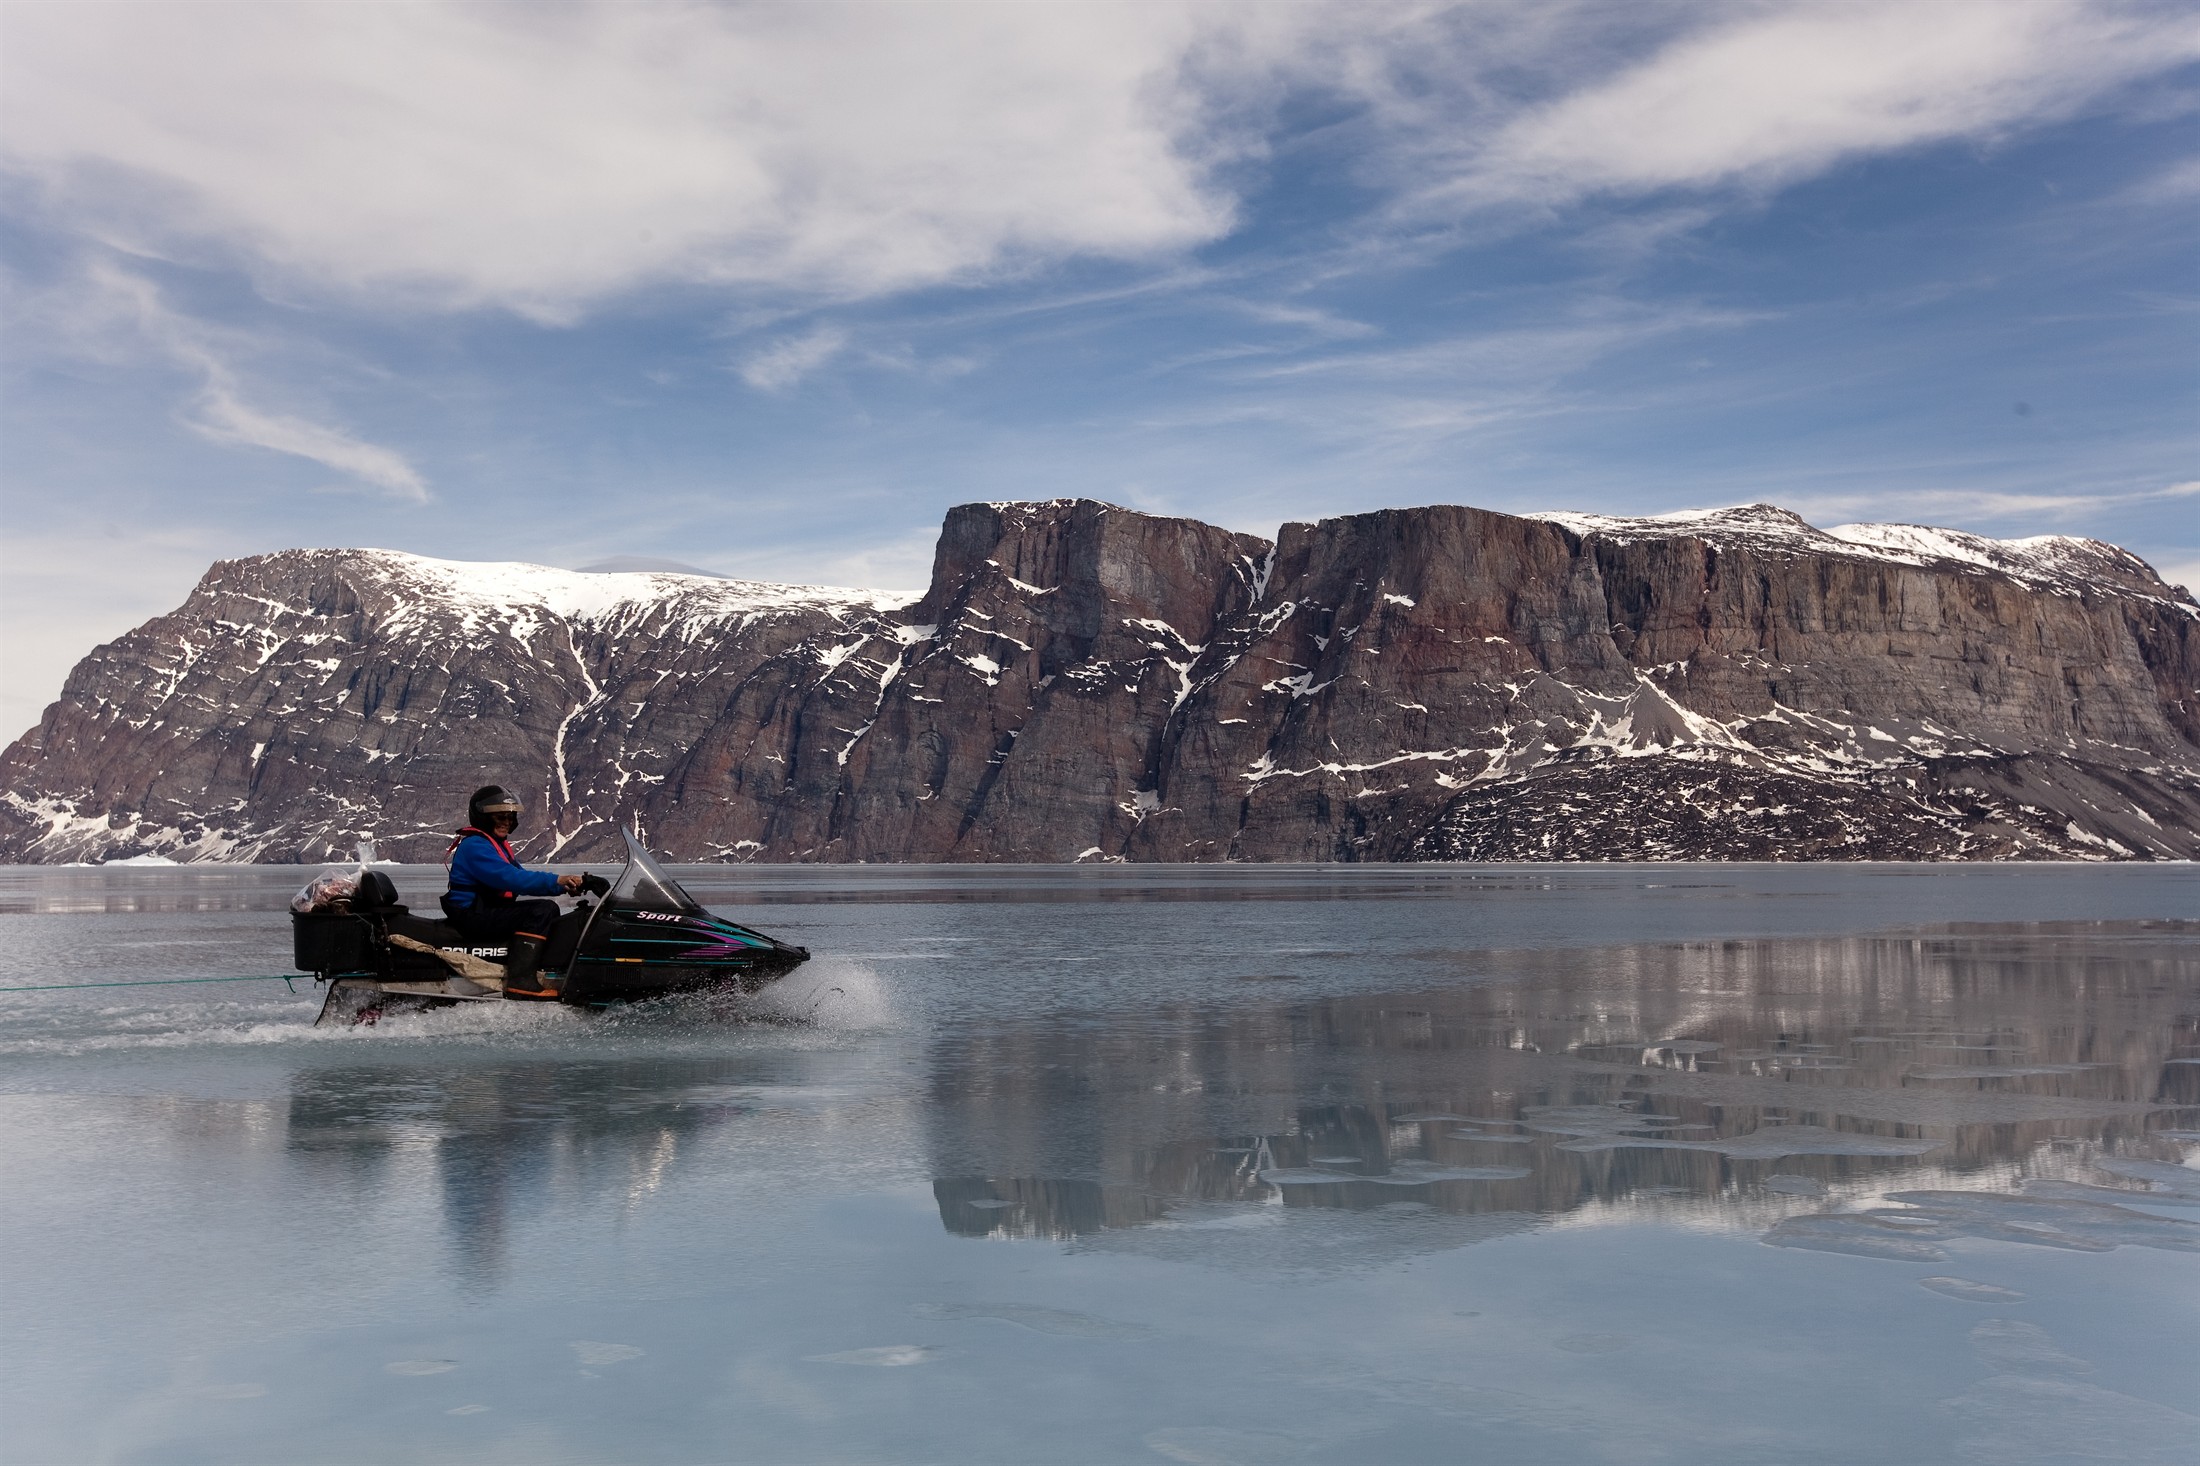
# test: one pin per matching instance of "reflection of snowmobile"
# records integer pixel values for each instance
(647, 938)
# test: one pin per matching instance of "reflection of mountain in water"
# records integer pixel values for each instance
(1738, 1080)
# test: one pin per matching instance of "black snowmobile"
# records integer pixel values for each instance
(646, 938)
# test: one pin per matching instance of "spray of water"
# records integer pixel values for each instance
(828, 993)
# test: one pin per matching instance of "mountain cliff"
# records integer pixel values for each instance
(1081, 681)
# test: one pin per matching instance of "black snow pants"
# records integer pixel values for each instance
(496, 926)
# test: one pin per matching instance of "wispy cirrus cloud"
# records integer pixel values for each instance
(1373, 410)
(2175, 183)
(1922, 505)
(1542, 351)
(223, 415)
(221, 409)
(788, 360)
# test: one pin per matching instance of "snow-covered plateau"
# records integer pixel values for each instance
(1082, 681)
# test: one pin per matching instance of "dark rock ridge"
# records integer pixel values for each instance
(1085, 682)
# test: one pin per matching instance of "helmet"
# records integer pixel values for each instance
(492, 799)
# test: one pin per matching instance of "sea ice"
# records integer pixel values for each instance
(593, 1355)
(1935, 1216)
(1417, 1173)
(2167, 1180)
(2082, 1226)
(2025, 1420)
(1795, 1185)
(1767, 1144)
(2023, 1348)
(2053, 1190)
(1591, 1122)
(1594, 1343)
(1967, 1291)
(421, 1366)
(886, 1356)
(1040, 1320)
(1210, 1445)
(1856, 1234)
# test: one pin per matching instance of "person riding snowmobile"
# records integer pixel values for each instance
(487, 882)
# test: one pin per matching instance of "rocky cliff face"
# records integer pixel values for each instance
(1085, 682)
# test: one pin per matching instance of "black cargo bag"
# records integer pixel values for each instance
(331, 942)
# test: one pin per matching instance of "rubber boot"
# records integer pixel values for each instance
(522, 956)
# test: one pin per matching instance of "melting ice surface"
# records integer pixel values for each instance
(1509, 1164)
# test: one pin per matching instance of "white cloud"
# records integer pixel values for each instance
(1321, 324)
(225, 417)
(1588, 331)
(790, 359)
(2174, 184)
(1790, 90)
(542, 158)
(220, 409)
(1988, 504)
(538, 157)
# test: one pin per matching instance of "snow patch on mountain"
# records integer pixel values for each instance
(502, 589)
(2039, 559)
(2054, 562)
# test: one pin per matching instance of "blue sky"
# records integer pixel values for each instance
(766, 289)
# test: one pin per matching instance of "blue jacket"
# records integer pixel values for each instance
(483, 866)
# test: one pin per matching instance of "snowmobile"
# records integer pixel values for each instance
(646, 938)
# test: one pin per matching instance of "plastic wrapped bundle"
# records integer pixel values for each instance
(324, 891)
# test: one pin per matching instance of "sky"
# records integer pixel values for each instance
(765, 289)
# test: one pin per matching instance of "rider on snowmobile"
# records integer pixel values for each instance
(487, 882)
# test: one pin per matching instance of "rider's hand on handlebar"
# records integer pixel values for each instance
(570, 884)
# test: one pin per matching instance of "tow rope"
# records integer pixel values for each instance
(145, 982)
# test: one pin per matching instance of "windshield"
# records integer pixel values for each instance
(645, 883)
